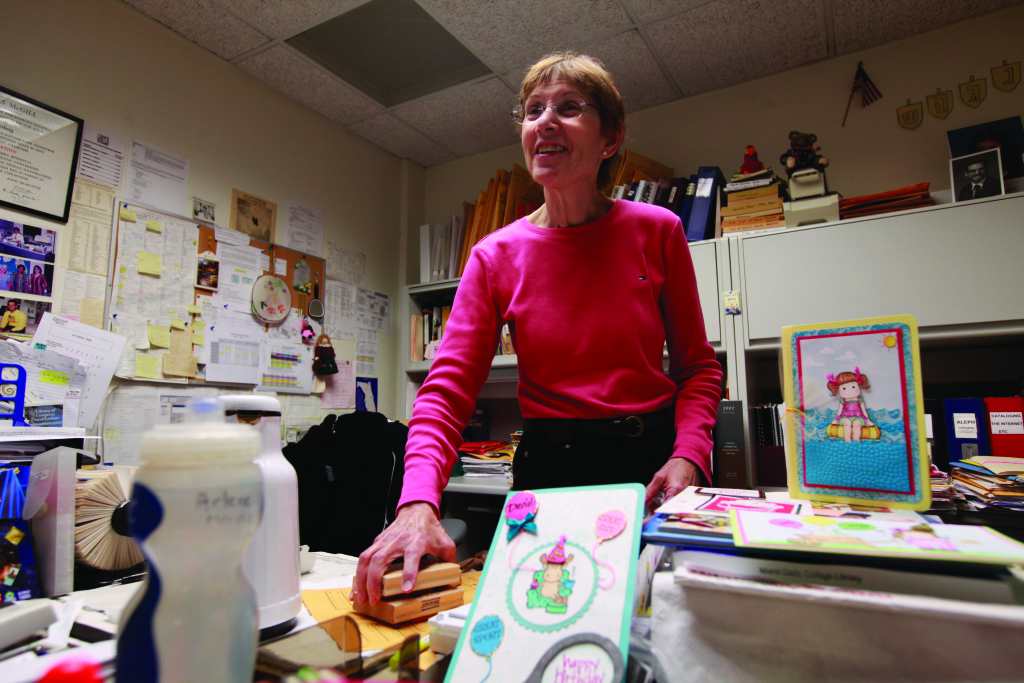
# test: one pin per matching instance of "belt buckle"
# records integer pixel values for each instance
(636, 426)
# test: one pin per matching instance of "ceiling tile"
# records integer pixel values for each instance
(721, 44)
(284, 19)
(283, 69)
(641, 82)
(860, 24)
(466, 120)
(656, 9)
(389, 133)
(204, 22)
(505, 34)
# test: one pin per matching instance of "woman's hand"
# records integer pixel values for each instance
(415, 532)
(673, 477)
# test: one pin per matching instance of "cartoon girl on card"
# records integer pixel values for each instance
(551, 586)
(852, 422)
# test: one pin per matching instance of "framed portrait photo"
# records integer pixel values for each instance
(977, 175)
(38, 156)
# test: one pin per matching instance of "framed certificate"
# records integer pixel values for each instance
(38, 156)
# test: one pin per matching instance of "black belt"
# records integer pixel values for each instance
(567, 429)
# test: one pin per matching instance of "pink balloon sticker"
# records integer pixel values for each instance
(787, 523)
(610, 524)
(521, 505)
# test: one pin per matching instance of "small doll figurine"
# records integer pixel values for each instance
(323, 357)
(852, 415)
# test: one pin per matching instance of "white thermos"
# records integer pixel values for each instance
(271, 562)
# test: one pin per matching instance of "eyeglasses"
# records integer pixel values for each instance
(565, 109)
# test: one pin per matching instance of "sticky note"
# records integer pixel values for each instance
(199, 339)
(110, 434)
(154, 226)
(181, 345)
(127, 215)
(53, 377)
(146, 367)
(180, 366)
(150, 264)
(198, 326)
(159, 335)
(177, 324)
(195, 309)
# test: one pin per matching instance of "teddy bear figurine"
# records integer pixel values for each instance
(802, 153)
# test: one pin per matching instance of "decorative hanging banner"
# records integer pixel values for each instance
(1006, 77)
(941, 103)
(973, 92)
(910, 115)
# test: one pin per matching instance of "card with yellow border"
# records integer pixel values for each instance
(855, 430)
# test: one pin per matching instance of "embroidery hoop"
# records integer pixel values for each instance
(271, 297)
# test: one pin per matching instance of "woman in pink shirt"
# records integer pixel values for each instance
(593, 290)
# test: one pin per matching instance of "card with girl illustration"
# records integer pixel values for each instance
(855, 420)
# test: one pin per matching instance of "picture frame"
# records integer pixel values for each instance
(38, 177)
(974, 176)
(207, 271)
(255, 216)
(1005, 134)
(855, 425)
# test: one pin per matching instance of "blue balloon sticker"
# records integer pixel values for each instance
(486, 635)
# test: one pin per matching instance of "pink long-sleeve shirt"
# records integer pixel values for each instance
(590, 309)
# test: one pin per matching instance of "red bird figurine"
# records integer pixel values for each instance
(750, 161)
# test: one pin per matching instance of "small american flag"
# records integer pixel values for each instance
(868, 91)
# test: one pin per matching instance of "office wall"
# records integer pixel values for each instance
(128, 75)
(870, 154)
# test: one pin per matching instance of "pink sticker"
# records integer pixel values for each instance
(610, 524)
(787, 523)
(522, 505)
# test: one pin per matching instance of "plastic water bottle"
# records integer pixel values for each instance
(271, 563)
(196, 504)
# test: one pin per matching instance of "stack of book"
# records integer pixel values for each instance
(754, 202)
(910, 197)
(769, 538)
(991, 482)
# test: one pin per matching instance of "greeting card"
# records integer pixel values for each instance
(556, 598)
(855, 427)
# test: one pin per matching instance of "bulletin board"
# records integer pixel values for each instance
(154, 299)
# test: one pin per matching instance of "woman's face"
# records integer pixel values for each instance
(560, 152)
(36, 269)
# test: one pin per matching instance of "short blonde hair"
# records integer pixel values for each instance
(589, 76)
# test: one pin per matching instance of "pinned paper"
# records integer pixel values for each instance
(159, 336)
(146, 367)
(194, 309)
(150, 264)
(127, 215)
(154, 226)
(179, 366)
(181, 344)
(177, 324)
(198, 326)
(110, 434)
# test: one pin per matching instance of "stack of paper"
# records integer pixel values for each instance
(486, 458)
(987, 481)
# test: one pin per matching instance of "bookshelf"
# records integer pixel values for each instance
(957, 267)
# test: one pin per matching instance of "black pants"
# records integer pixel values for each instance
(541, 462)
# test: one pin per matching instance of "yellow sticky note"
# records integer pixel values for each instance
(53, 377)
(150, 264)
(111, 434)
(195, 309)
(159, 335)
(154, 226)
(124, 269)
(199, 339)
(127, 215)
(198, 326)
(177, 324)
(146, 367)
